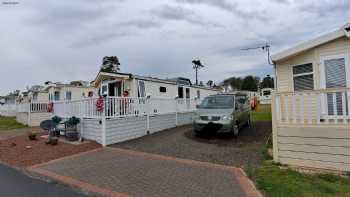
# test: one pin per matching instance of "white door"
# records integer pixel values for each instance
(335, 73)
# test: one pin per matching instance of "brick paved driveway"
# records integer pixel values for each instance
(120, 172)
(244, 151)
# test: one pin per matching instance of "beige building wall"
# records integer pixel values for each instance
(284, 68)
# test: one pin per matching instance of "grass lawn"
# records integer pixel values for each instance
(262, 113)
(278, 182)
(7, 123)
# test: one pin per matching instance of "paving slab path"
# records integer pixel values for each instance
(121, 172)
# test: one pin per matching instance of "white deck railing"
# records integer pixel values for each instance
(122, 107)
(329, 106)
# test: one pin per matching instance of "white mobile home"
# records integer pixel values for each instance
(131, 106)
(115, 84)
(311, 120)
(32, 106)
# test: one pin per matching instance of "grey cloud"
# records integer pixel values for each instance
(230, 7)
(324, 8)
(181, 14)
(141, 24)
(98, 39)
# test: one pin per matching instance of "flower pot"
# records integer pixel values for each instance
(53, 140)
(72, 135)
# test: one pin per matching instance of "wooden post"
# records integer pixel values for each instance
(274, 109)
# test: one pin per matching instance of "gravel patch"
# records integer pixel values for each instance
(244, 151)
(19, 151)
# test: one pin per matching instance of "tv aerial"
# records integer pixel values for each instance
(265, 48)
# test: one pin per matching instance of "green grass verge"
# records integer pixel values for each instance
(262, 113)
(8, 123)
(278, 182)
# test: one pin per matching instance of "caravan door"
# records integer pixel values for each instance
(335, 73)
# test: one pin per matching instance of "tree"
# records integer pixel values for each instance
(197, 65)
(110, 64)
(210, 83)
(250, 83)
(267, 82)
(234, 82)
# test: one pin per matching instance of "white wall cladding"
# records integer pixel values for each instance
(22, 117)
(316, 147)
(161, 122)
(91, 129)
(185, 118)
(37, 117)
(122, 129)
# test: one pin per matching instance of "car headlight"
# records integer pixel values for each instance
(227, 117)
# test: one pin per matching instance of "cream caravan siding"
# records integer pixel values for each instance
(43, 96)
(152, 88)
(284, 68)
(315, 147)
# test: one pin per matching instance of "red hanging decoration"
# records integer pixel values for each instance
(100, 104)
(50, 107)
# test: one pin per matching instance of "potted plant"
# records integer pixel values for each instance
(31, 135)
(71, 128)
(56, 120)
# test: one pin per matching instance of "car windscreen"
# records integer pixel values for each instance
(218, 102)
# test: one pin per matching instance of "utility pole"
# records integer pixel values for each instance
(196, 66)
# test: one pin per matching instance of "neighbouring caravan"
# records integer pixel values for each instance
(115, 84)
(265, 96)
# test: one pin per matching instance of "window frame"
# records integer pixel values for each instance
(162, 88)
(303, 74)
(70, 92)
(139, 89)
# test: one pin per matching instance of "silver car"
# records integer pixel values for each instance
(222, 113)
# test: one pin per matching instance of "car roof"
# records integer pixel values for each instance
(230, 94)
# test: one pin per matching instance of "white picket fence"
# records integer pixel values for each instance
(313, 107)
(122, 107)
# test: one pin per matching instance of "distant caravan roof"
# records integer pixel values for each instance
(343, 31)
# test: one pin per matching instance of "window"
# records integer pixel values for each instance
(104, 90)
(91, 94)
(162, 89)
(141, 89)
(266, 92)
(180, 92)
(57, 96)
(68, 95)
(35, 96)
(198, 94)
(303, 77)
(187, 93)
(335, 77)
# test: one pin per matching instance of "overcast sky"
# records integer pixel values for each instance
(65, 40)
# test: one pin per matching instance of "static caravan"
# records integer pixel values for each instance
(71, 91)
(310, 106)
(265, 96)
(115, 84)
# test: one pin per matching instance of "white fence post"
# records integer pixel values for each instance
(176, 113)
(103, 121)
